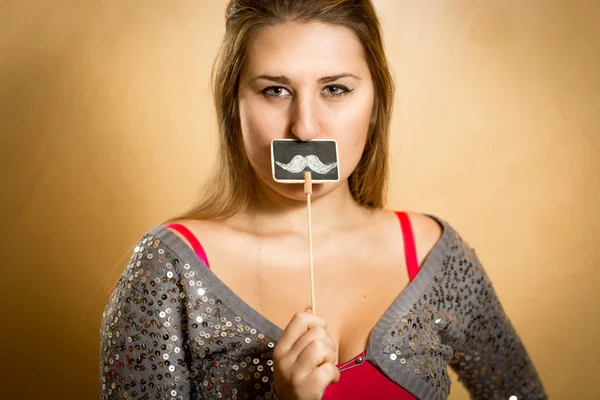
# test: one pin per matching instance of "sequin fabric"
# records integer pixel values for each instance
(171, 330)
(166, 336)
(458, 322)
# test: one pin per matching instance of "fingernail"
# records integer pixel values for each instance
(308, 308)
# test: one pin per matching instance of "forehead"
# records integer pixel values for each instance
(294, 48)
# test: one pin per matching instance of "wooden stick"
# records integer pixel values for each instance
(308, 192)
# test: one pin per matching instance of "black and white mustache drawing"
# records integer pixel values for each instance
(299, 162)
(290, 159)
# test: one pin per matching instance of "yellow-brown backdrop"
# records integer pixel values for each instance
(107, 128)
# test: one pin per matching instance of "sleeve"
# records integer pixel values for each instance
(489, 358)
(143, 351)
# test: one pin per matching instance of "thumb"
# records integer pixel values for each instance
(308, 308)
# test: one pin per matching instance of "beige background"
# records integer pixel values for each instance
(107, 129)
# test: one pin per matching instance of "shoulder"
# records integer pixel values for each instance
(158, 253)
(188, 224)
(154, 252)
(200, 229)
(427, 232)
(426, 229)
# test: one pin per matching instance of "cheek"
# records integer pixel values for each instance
(355, 131)
(352, 152)
(259, 128)
(260, 122)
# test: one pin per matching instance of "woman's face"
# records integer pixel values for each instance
(305, 81)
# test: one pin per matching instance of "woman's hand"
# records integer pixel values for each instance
(304, 359)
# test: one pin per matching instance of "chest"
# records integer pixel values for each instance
(356, 280)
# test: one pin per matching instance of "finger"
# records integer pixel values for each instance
(300, 323)
(315, 333)
(325, 375)
(314, 354)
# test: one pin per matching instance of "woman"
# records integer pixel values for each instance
(400, 295)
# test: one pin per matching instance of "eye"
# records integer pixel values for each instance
(275, 91)
(335, 90)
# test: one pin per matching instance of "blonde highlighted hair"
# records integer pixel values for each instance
(231, 186)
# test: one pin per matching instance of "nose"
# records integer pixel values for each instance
(305, 121)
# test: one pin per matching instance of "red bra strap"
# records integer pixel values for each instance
(193, 241)
(410, 250)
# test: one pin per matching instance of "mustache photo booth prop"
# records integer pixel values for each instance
(291, 158)
(294, 161)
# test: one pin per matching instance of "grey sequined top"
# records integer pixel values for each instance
(173, 330)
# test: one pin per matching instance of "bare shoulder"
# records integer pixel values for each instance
(427, 233)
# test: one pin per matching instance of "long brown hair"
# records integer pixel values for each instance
(230, 188)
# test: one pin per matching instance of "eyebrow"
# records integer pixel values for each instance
(284, 80)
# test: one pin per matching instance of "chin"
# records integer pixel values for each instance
(295, 191)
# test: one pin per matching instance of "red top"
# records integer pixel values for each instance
(359, 378)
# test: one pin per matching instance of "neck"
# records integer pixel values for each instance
(272, 213)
